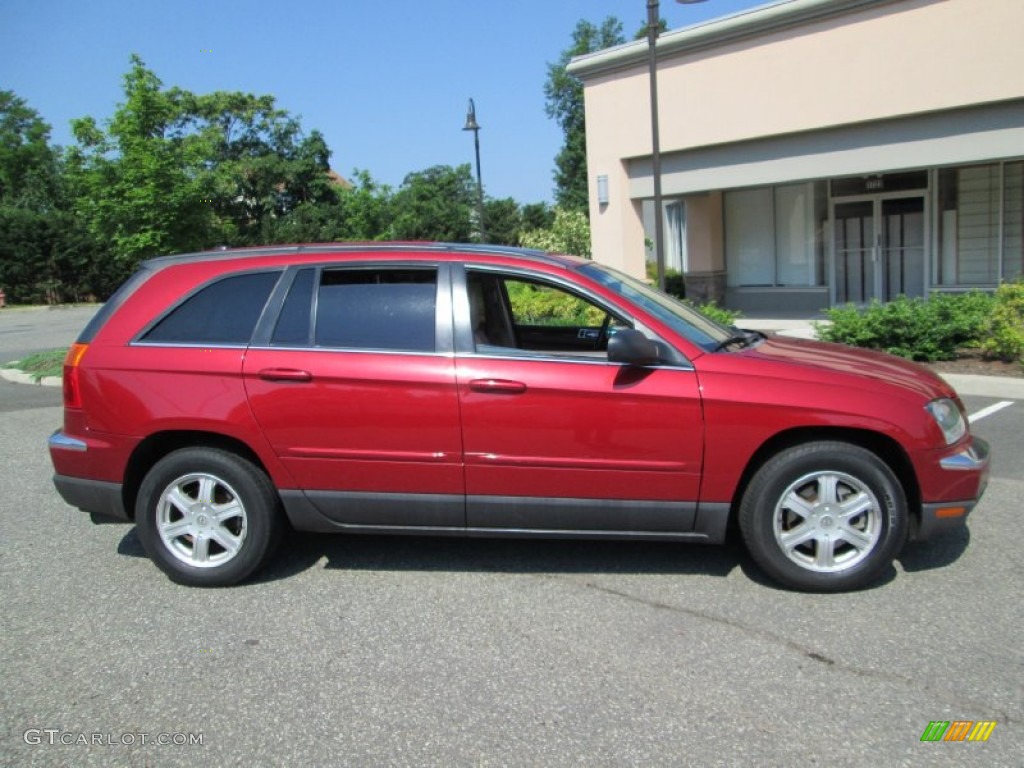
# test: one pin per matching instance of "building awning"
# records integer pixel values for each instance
(974, 135)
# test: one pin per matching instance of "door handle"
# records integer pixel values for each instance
(285, 374)
(497, 386)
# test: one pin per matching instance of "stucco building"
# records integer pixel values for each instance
(818, 151)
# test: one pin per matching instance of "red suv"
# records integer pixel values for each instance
(438, 389)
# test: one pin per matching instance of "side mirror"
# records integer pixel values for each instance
(631, 347)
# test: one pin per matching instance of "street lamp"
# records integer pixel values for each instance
(653, 21)
(471, 125)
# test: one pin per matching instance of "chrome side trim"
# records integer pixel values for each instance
(59, 441)
(975, 457)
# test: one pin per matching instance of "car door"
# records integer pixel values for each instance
(555, 437)
(353, 384)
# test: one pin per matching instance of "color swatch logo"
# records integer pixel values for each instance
(958, 730)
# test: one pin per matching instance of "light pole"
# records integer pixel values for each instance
(653, 21)
(471, 125)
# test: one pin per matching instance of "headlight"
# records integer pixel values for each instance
(949, 419)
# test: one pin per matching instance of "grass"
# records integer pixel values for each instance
(41, 364)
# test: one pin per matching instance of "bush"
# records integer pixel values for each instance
(568, 233)
(540, 305)
(718, 314)
(1004, 336)
(675, 285)
(913, 328)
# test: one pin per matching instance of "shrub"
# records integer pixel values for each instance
(568, 233)
(1004, 336)
(716, 313)
(539, 305)
(913, 328)
(675, 285)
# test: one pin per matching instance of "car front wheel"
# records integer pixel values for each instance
(207, 517)
(824, 517)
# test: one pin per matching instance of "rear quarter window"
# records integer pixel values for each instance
(223, 312)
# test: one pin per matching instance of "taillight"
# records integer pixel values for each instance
(72, 390)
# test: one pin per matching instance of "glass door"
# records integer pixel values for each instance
(878, 248)
(902, 247)
(853, 227)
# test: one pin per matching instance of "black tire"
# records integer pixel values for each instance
(824, 517)
(207, 517)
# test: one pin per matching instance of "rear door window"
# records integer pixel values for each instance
(392, 308)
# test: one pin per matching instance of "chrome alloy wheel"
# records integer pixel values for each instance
(201, 520)
(827, 521)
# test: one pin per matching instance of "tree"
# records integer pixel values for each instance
(435, 204)
(569, 233)
(173, 171)
(504, 221)
(259, 165)
(29, 169)
(360, 211)
(44, 254)
(537, 216)
(138, 184)
(564, 102)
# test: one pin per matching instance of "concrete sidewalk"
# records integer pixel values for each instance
(1003, 387)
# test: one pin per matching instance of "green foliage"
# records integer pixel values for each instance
(29, 167)
(1004, 333)
(563, 95)
(41, 364)
(46, 258)
(569, 233)
(135, 184)
(173, 171)
(913, 328)
(435, 204)
(504, 221)
(45, 255)
(719, 314)
(540, 305)
(364, 209)
(537, 216)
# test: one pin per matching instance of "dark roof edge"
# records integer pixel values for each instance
(710, 34)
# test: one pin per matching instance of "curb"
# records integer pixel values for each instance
(20, 377)
(1003, 387)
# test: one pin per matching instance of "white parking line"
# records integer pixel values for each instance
(989, 411)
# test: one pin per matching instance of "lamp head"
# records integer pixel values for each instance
(471, 124)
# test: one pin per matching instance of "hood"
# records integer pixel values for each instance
(867, 365)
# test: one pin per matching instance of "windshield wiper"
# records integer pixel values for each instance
(744, 339)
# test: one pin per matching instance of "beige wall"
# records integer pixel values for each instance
(887, 60)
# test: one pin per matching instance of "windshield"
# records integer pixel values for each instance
(680, 317)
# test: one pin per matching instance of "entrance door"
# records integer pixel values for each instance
(878, 248)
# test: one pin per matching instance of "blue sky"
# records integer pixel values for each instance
(386, 82)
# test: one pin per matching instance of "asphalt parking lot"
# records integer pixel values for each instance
(376, 651)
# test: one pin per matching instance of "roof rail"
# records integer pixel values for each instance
(221, 252)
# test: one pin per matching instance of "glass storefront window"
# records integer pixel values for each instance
(968, 252)
(1013, 220)
(773, 235)
(749, 238)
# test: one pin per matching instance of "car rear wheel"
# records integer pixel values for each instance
(824, 517)
(207, 517)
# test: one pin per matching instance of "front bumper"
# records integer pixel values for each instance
(939, 517)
